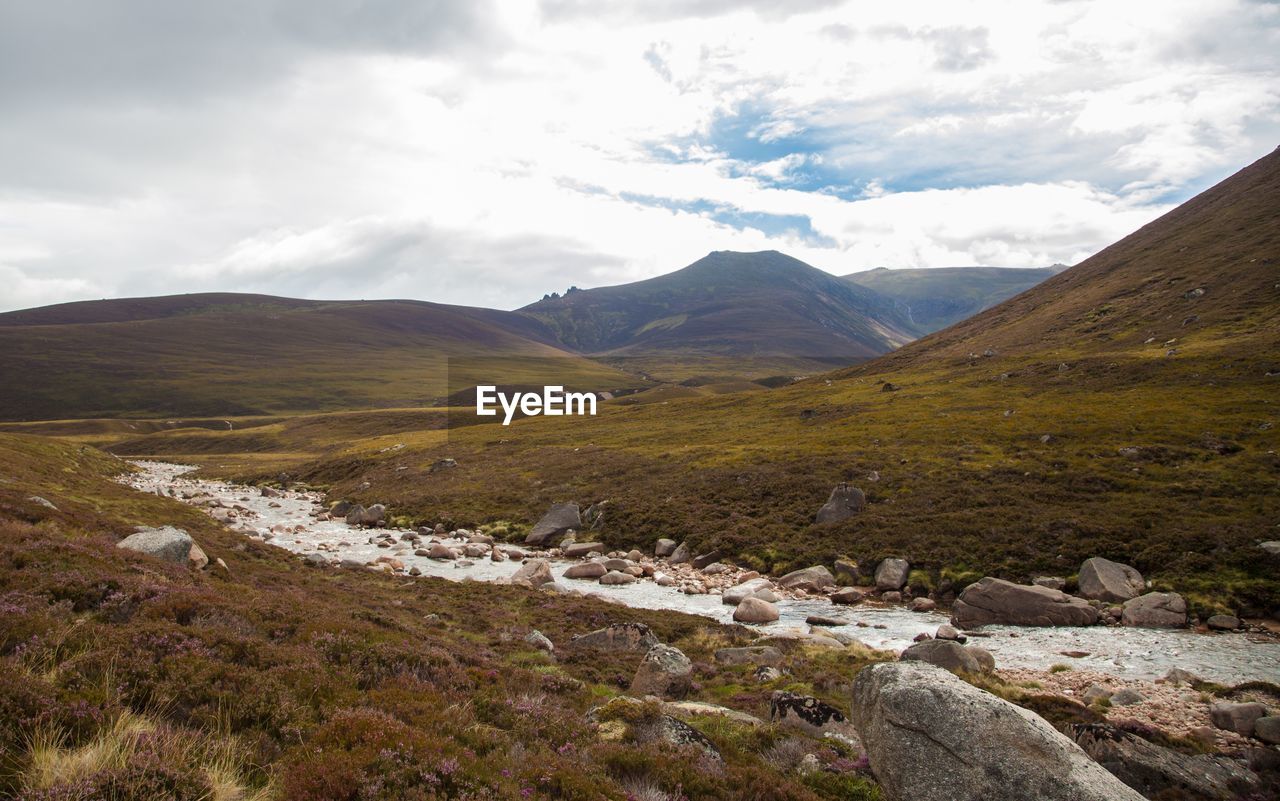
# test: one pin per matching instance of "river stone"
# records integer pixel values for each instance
(681, 554)
(1156, 610)
(813, 579)
(996, 601)
(750, 655)
(1103, 580)
(891, 574)
(946, 654)
(664, 547)
(1052, 582)
(846, 572)
(922, 605)
(846, 595)
(581, 549)
(534, 573)
(948, 632)
(559, 519)
(619, 564)
(664, 672)
(755, 610)
(1267, 729)
(617, 577)
(586, 570)
(167, 543)
(845, 502)
(439, 550)
(810, 715)
(1223, 622)
(1158, 772)
(1237, 717)
(735, 594)
(932, 737)
(702, 560)
(618, 637)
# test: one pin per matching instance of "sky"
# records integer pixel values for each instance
(485, 153)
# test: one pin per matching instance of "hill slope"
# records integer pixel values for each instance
(228, 354)
(936, 298)
(729, 312)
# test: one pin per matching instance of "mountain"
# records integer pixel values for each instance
(232, 354)
(935, 298)
(731, 313)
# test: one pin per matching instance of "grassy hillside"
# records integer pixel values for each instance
(1087, 431)
(936, 298)
(125, 677)
(237, 355)
(752, 314)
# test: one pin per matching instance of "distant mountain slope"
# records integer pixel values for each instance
(228, 354)
(935, 298)
(750, 312)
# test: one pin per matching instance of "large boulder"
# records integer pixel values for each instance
(1240, 718)
(1159, 772)
(946, 654)
(534, 573)
(559, 519)
(996, 601)
(813, 579)
(1103, 580)
(891, 574)
(844, 503)
(755, 610)
(704, 559)
(664, 672)
(167, 543)
(586, 570)
(932, 737)
(664, 547)
(1157, 610)
(735, 594)
(810, 715)
(618, 637)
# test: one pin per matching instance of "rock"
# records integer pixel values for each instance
(846, 572)
(664, 671)
(586, 570)
(813, 579)
(1127, 696)
(270, 492)
(618, 637)
(443, 464)
(846, 595)
(932, 737)
(45, 502)
(809, 715)
(891, 597)
(716, 568)
(315, 560)
(663, 580)
(476, 550)
(823, 620)
(166, 543)
(539, 640)
(578, 549)
(702, 560)
(750, 655)
(1155, 610)
(948, 632)
(996, 601)
(809, 763)
(439, 550)
(1177, 676)
(734, 595)
(755, 610)
(1095, 693)
(946, 654)
(497, 555)
(664, 547)
(1272, 547)
(1052, 582)
(1104, 580)
(922, 605)
(534, 573)
(681, 554)
(559, 519)
(891, 574)
(845, 502)
(1267, 729)
(1223, 622)
(1237, 717)
(617, 577)
(985, 660)
(634, 555)
(1159, 772)
(700, 709)
(765, 674)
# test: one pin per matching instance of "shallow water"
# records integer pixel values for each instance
(1121, 651)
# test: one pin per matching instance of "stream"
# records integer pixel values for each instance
(1125, 652)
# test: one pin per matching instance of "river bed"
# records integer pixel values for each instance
(1120, 651)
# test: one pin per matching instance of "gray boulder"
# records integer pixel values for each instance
(750, 655)
(709, 558)
(681, 554)
(844, 503)
(664, 672)
(847, 573)
(932, 737)
(846, 595)
(1103, 580)
(1240, 718)
(167, 543)
(1159, 772)
(534, 573)
(617, 577)
(559, 519)
(755, 610)
(891, 574)
(618, 637)
(1052, 582)
(1223, 622)
(1267, 729)
(586, 570)
(735, 594)
(813, 579)
(539, 640)
(946, 654)
(664, 547)
(582, 549)
(810, 715)
(1160, 610)
(996, 601)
